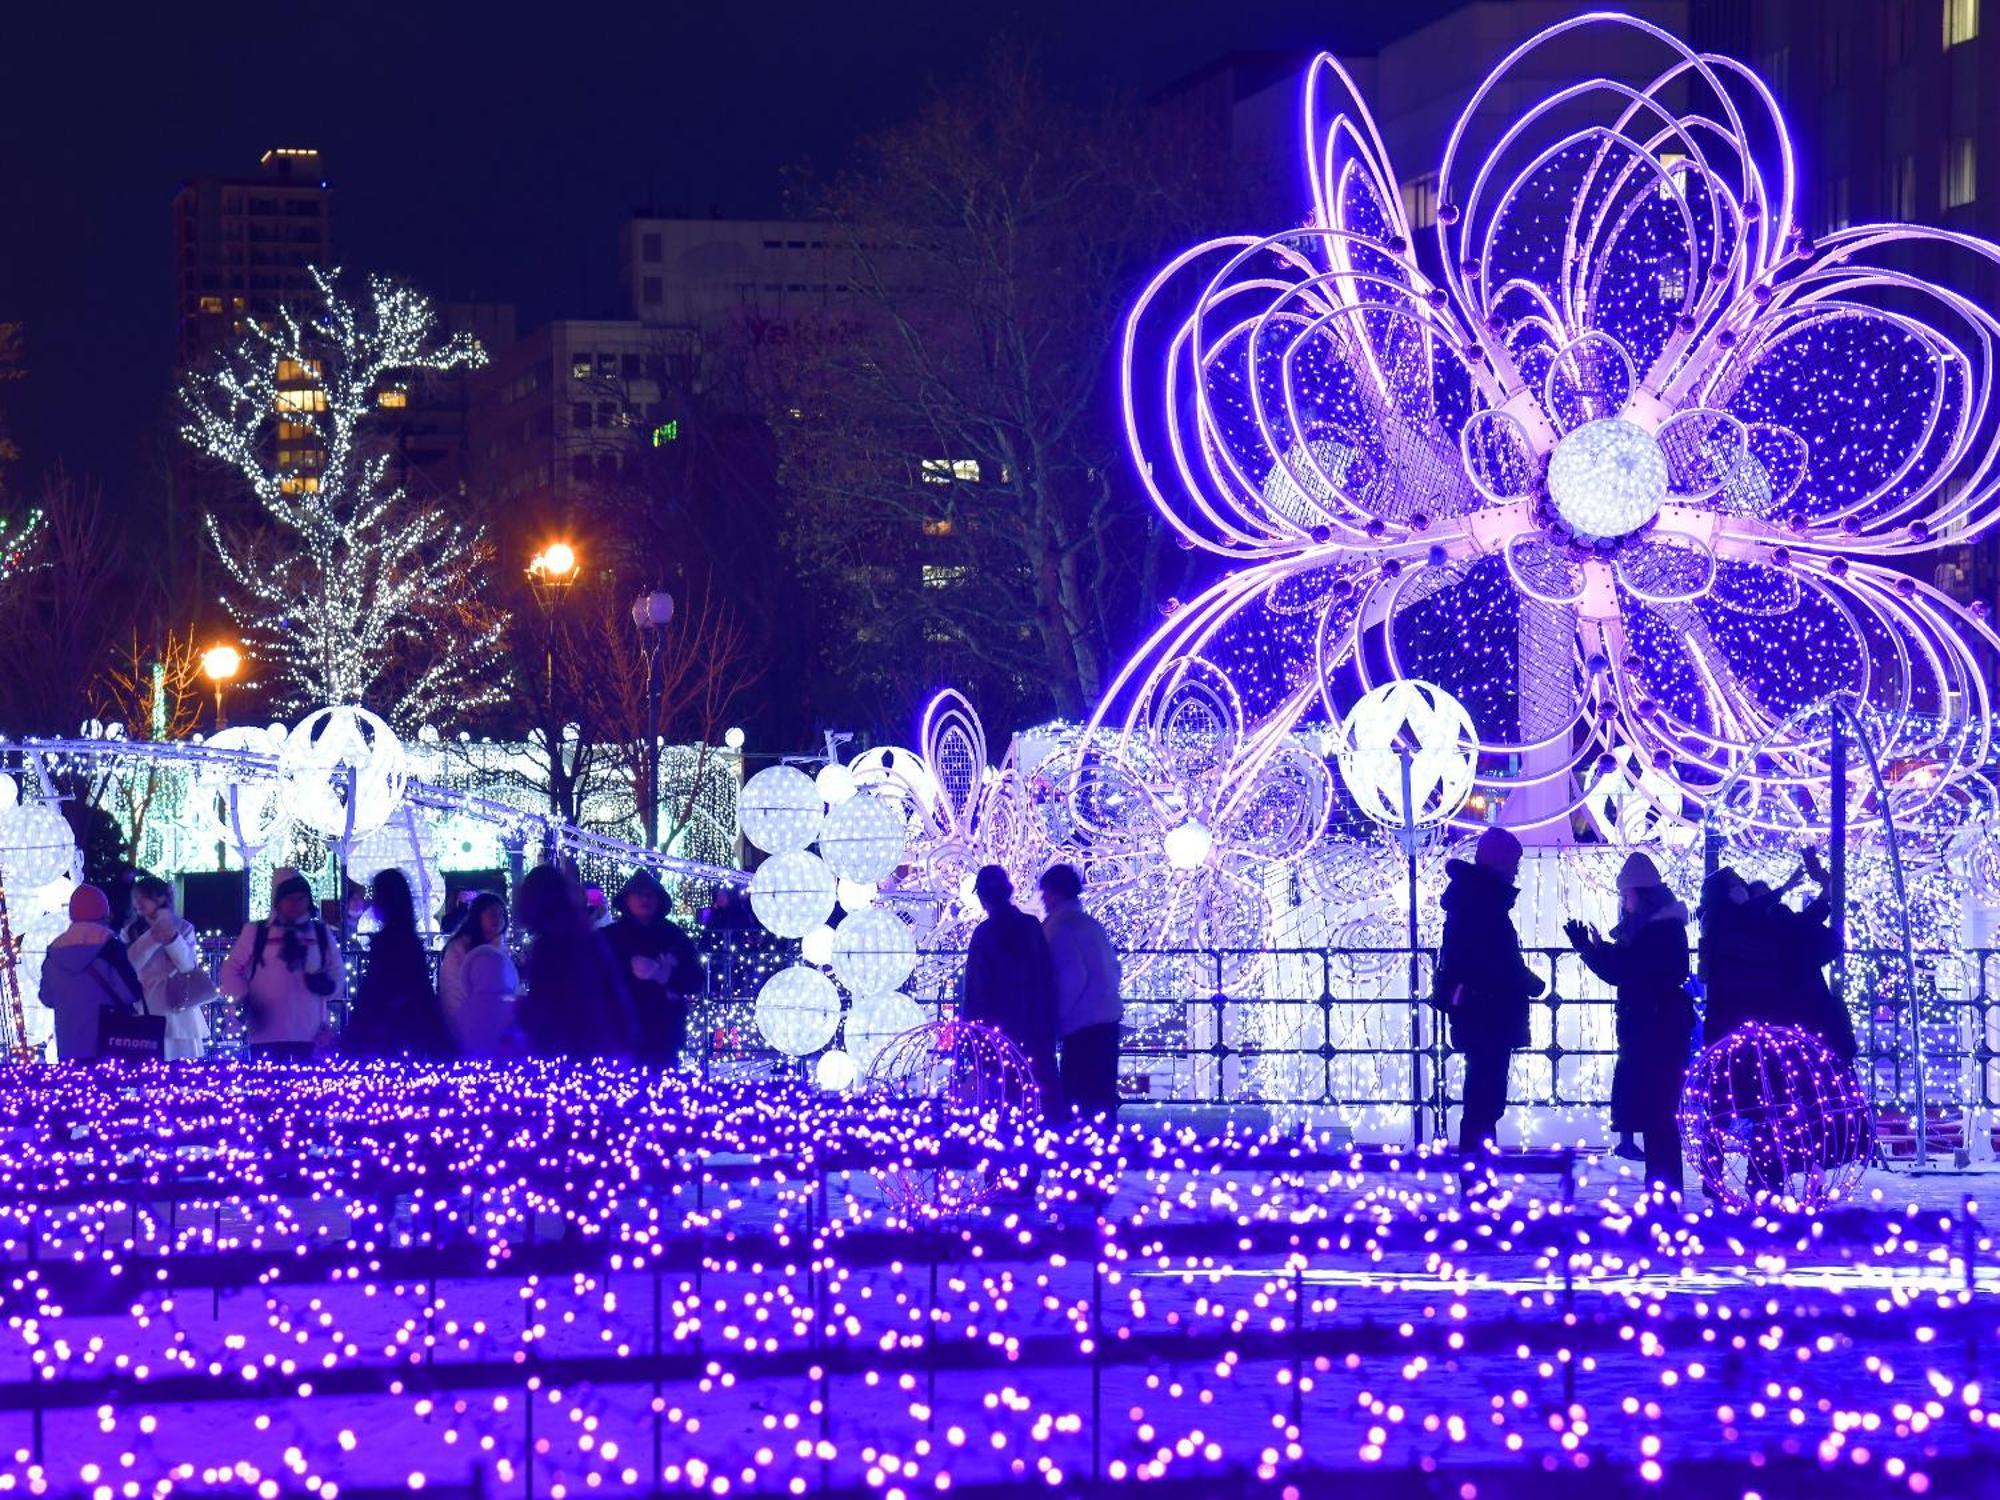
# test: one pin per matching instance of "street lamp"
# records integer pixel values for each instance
(220, 664)
(651, 612)
(551, 574)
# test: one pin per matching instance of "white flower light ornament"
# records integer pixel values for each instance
(1619, 457)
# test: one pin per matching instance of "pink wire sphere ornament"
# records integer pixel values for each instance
(976, 1091)
(1772, 1118)
(1610, 450)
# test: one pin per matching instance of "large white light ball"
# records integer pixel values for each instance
(792, 893)
(1437, 731)
(1187, 846)
(873, 951)
(816, 947)
(1608, 477)
(408, 844)
(36, 846)
(798, 1010)
(834, 783)
(835, 1072)
(855, 895)
(780, 809)
(10, 791)
(874, 1021)
(342, 771)
(863, 839)
(261, 814)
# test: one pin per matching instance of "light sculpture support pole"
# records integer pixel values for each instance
(1409, 841)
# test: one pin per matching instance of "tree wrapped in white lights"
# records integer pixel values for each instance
(346, 590)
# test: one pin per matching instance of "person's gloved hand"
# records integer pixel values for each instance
(1578, 933)
(651, 970)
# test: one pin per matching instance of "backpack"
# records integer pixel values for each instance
(264, 932)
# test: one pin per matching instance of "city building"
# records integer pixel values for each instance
(243, 245)
(706, 274)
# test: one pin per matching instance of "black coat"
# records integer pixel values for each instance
(396, 1010)
(1647, 964)
(1762, 961)
(575, 1002)
(658, 1002)
(1483, 984)
(1010, 981)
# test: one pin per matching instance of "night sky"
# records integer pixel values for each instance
(484, 151)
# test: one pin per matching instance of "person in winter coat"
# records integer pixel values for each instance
(1483, 983)
(161, 944)
(1763, 961)
(477, 980)
(396, 1012)
(576, 1003)
(85, 974)
(1089, 1009)
(1645, 960)
(1010, 981)
(662, 969)
(287, 971)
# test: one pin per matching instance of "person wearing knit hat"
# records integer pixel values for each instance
(1645, 961)
(85, 974)
(1483, 984)
(287, 971)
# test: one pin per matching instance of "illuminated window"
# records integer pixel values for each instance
(1420, 200)
(667, 432)
(1961, 172)
(582, 366)
(292, 432)
(1673, 180)
(392, 398)
(211, 304)
(936, 577)
(302, 400)
(292, 371)
(1961, 21)
(299, 484)
(945, 470)
(938, 526)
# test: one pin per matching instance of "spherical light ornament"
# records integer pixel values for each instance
(873, 951)
(834, 783)
(1773, 1118)
(10, 792)
(874, 1021)
(792, 893)
(977, 1092)
(342, 771)
(36, 846)
(798, 1010)
(836, 1072)
(1607, 478)
(732, 738)
(863, 839)
(261, 814)
(816, 947)
(1433, 727)
(779, 810)
(408, 844)
(1187, 846)
(855, 895)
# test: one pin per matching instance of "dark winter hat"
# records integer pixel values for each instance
(294, 884)
(1638, 873)
(1725, 887)
(992, 884)
(1499, 851)
(89, 904)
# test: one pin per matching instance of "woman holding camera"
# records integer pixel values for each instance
(286, 971)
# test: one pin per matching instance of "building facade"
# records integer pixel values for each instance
(244, 245)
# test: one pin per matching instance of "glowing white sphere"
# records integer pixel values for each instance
(863, 839)
(798, 1010)
(855, 895)
(260, 806)
(835, 783)
(1608, 478)
(792, 893)
(394, 848)
(342, 771)
(816, 947)
(733, 737)
(873, 951)
(1187, 846)
(10, 791)
(835, 1072)
(36, 846)
(1436, 729)
(780, 810)
(874, 1021)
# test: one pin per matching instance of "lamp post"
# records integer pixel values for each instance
(220, 664)
(551, 574)
(651, 612)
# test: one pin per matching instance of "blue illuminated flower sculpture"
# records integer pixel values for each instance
(1617, 456)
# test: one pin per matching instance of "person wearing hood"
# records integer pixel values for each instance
(287, 971)
(1483, 983)
(1009, 982)
(396, 1011)
(162, 944)
(661, 967)
(1645, 960)
(86, 973)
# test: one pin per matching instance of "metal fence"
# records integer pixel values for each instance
(1346, 1029)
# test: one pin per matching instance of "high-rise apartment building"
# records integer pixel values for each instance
(243, 245)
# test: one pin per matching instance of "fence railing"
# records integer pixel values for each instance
(1350, 1029)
